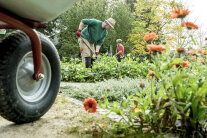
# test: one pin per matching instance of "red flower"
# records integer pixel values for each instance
(179, 13)
(149, 37)
(90, 105)
(189, 25)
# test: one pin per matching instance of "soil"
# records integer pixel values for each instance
(64, 119)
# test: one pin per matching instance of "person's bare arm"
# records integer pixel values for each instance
(98, 48)
(81, 25)
(118, 52)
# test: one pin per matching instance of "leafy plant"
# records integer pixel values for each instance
(103, 68)
(175, 102)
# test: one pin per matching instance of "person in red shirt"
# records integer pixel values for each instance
(119, 50)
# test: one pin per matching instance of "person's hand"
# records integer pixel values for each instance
(81, 50)
(97, 53)
(78, 33)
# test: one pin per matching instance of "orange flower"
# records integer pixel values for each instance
(102, 125)
(155, 48)
(90, 105)
(87, 128)
(149, 37)
(151, 74)
(203, 52)
(184, 64)
(189, 25)
(102, 98)
(174, 15)
(181, 49)
(179, 13)
(203, 62)
(142, 85)
(191, 52)
(135, 110)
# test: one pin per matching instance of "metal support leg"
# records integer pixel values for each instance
(35, 41)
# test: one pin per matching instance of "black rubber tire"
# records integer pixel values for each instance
(12, 106)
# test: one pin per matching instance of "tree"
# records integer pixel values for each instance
(124, 19)
(131, 4)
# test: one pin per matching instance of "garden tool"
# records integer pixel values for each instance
(89, 48)
(89, 60)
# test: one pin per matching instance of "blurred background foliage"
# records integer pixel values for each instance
(134, 19)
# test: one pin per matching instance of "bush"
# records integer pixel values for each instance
(104, 68)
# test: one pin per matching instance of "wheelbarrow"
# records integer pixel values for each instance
(29, 62)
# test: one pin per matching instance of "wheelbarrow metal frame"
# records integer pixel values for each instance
(8, 21)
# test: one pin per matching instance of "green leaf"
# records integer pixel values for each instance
(202, 113)
(187, 107)
(105, 115)
(195, 107)
(176, 61)
(106, 102)
(183, 43)
(203, 90)
(193, 39)
(178, 78)
(117, 111)
(179, 91)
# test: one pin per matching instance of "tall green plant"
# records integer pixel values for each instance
(174, 101)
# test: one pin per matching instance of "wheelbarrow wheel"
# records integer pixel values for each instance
(22, 99)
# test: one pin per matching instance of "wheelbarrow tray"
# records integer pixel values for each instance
(37, 10)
